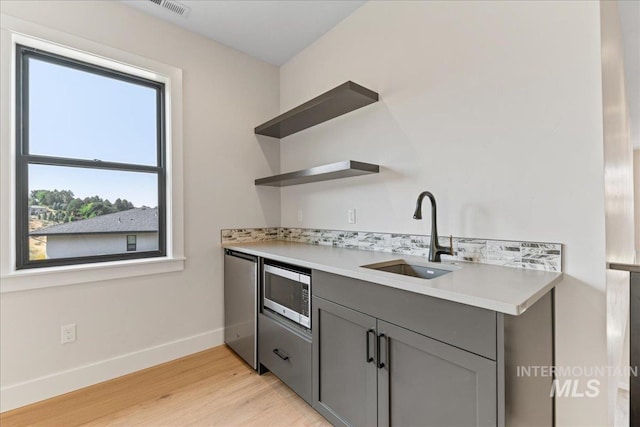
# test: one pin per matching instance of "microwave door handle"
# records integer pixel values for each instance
(282, 273)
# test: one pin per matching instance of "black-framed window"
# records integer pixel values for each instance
(131, 242)
(91, 157)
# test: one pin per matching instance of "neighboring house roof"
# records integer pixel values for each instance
(138, 220)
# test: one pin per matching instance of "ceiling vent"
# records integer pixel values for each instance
(173, 7)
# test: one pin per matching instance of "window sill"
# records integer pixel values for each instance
(22, 280)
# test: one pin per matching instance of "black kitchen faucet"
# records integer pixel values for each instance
(435, 250)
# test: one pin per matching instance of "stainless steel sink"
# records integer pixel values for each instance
(400, 266)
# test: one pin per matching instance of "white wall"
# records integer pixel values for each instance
(495, 107)
(125, 325)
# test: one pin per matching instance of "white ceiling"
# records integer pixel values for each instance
(276, 30)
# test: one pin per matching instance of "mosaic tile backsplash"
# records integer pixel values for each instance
(528, 255)
(245, 235)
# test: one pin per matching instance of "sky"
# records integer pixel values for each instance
(82, 115)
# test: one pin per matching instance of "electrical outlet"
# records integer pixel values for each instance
(300, 215)
(351, 216)
(68, 333)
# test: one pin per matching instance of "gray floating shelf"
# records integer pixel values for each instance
(343, 99)
(320, 173)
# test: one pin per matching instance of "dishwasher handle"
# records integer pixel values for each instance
(233, 253)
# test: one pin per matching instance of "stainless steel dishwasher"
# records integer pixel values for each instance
(241, 304)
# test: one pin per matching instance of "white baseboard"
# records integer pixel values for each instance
(20, 394)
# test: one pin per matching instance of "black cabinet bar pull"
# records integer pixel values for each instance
(280, 355)
(381, 338)
(369, 358)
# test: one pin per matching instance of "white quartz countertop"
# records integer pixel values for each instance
(503, 289)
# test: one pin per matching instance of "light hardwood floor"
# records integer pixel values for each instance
(210, 388)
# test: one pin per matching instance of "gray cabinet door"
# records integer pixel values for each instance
(344, 374)
(425, 382)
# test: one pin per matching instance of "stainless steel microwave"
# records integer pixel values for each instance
(286, 290)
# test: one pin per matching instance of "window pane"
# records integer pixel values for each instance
(131, 243)
(78, 114)
(75, 212)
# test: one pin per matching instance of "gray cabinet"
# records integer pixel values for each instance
(344, 369)
(370, 372)
(388, 357)
(463, 326)
(422, 381)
